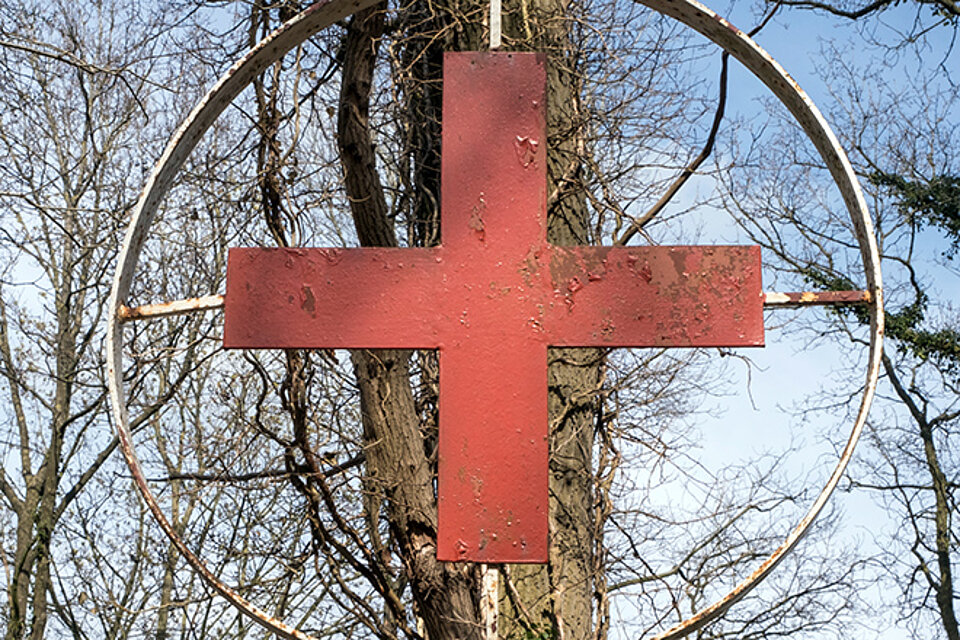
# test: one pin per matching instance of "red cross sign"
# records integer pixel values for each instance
(492, 298)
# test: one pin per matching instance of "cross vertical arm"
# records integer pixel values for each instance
(493, 458)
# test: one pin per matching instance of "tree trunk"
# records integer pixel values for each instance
(399, 463)
(942, 585)
(558, 598)
(38, 513)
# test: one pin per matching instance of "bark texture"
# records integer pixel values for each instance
(557, 600)
(550, 601)
(397, 464)
(941, 580)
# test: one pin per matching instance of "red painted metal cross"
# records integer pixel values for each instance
(492, 298)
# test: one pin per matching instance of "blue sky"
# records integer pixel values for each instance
(759, 413)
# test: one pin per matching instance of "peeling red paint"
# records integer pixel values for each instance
(492, 298)
(527, 147)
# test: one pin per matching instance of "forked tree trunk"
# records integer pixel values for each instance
(557, 597)
(397, 463)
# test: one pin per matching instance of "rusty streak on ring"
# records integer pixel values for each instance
(324, 13)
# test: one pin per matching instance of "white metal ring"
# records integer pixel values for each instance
(322, 14)
(743, 48)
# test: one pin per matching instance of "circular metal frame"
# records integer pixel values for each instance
(324, 13)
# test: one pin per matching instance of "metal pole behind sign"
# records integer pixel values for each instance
(489, 600)
(495, 24)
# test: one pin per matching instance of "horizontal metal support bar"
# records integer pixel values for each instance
(774, 299)
(174, 308)
(795, 299)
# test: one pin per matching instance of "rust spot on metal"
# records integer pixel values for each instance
(796, 299)
(165, 309)
(332, 256)
(308, 300)
(476, 223)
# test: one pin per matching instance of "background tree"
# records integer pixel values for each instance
(66, 121)
(901, 135)
(76, 131)
(307, 477)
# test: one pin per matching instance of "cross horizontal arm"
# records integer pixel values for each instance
(369, 298)
(707, 296)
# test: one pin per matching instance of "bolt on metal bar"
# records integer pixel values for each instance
(797, 299)
(163, 309)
